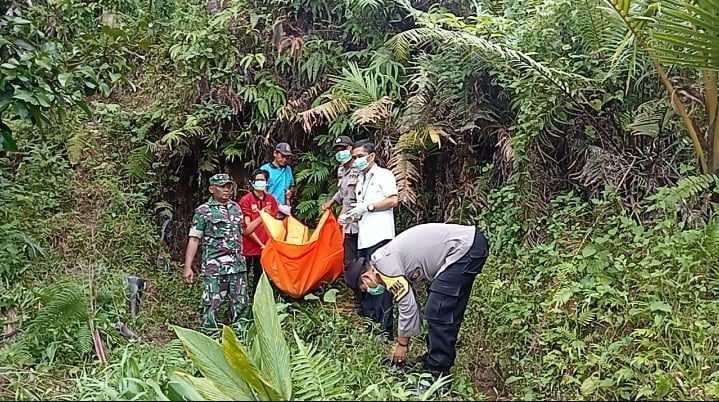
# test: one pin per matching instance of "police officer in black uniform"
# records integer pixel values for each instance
(448, 256)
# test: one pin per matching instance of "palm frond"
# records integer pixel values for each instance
(501, 54)
(360, 87)
(403, 166)
(314, 375)
(649, 118)
(324, 113)
(376, 111)
(687, 33)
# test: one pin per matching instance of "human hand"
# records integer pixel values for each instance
(327, 205)
(399, 353)
(357, 212)
(188, 275)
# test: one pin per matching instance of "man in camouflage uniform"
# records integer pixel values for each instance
(216, 225)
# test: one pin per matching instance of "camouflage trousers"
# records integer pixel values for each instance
(218, 288)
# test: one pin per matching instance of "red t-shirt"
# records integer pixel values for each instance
(249, 245)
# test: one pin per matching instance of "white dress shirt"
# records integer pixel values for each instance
(373, 186)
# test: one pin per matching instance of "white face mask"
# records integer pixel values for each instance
(259, 185)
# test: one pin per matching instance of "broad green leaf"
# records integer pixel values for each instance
(273, 350)
(660, 306)
(26, 96)
(64, 78)
(589, 385)
(42, 99)
(180, 389)
(331, 296)
(8, 66)
(6, 141)
(199, 388)
(311, 297)
(589, 251)
(24, 44)
(104, 89)
(512, 379)
(209, 358)
(238, 359)
(158, 391)
(19, 20)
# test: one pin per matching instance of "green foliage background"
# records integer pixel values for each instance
(543, 122)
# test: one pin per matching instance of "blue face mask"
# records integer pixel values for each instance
(361, 163)
(376, 291)
(343, 156)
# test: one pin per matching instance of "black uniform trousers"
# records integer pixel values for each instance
(254, 267)
(350, 246)
(447, 301)
(378, 308)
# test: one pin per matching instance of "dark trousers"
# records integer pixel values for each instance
(447, 301)
(255, 269)
(378, 308)
(350, 244)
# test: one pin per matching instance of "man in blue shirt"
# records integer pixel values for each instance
(282, 183)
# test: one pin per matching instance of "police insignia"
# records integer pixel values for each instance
(398, 286)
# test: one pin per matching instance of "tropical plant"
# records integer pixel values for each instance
(682, 33)
(35, 81)
(232, 371)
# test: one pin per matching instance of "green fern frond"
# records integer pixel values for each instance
(585, 317)
(711, 236)
(76, 145)
(83, 338)
(667, 198)
(314, 375)
(64, 303)
(139, 161)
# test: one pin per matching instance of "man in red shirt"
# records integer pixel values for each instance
(254, 235)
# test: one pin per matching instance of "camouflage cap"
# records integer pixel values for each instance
(220, 179)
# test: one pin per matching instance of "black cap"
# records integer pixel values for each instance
(355, 269)
(284, 149)
(343, 141)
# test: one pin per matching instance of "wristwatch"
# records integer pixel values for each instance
(370, 207)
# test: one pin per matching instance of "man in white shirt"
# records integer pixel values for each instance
(377, 196)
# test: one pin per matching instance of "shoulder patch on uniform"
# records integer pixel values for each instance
(398, 286)
(414, 275)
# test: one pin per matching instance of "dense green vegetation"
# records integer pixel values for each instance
(580, 136)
